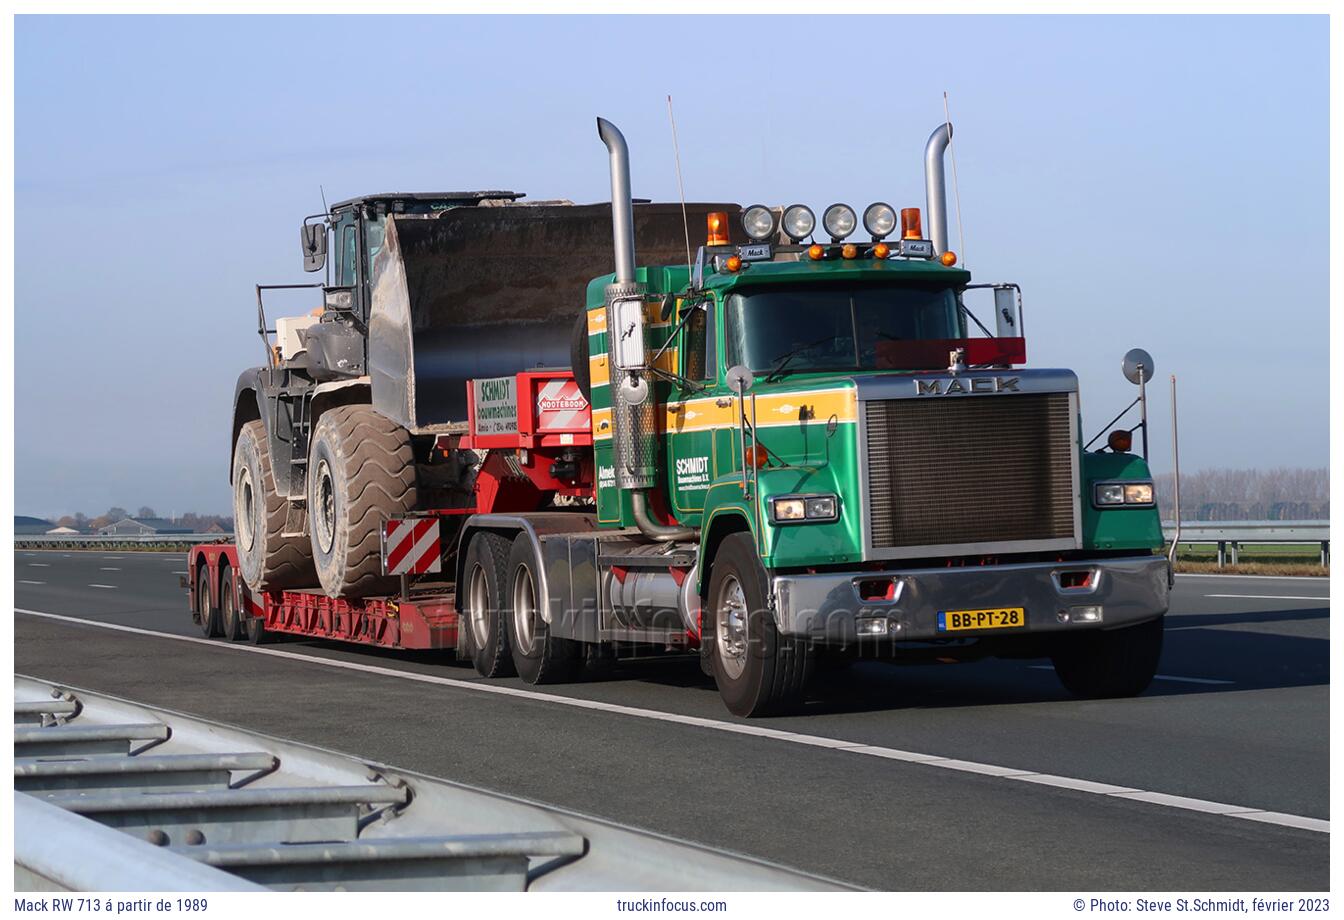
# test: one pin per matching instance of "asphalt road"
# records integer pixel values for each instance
(1239, 716)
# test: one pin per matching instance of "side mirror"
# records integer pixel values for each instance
(1137, 366)
(313, 239)
(740, 379)
(1007, 323)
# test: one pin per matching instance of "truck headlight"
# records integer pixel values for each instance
(1119, 494)
(798, 509)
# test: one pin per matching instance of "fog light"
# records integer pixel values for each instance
(872, 627)
(1085, 614)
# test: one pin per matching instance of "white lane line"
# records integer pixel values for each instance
(1264, 577)
(39, 565)
(1179, 680)
(734, 728)
(102, 586)
(24, 581)
(178, 573)
(111, 557)
(109, 568)
(1276, 597)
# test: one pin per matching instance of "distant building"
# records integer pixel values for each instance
(141, 527)
(215, 527)
(25, 526)
(61, 531)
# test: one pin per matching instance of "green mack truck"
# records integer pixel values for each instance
(802, 447)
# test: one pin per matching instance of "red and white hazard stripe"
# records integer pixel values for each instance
(561, 406)
(411, 546)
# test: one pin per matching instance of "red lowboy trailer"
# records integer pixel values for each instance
(532, 433)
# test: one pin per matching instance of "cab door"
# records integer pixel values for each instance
(690, 414)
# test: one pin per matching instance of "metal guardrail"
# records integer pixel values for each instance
(113, 795)
(1229, 535)
(156, 541)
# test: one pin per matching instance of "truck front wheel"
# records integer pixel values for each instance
(1111, 663)
(269, 560)
(361, 471)
(757, 670)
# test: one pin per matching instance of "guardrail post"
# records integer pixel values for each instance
(1235, 548)
(1222, 553)
(1325, 553)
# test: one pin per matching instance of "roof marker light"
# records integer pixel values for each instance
(717, 224)
(816, 252)
(948, 258)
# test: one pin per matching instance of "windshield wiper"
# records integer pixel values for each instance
(783, 360)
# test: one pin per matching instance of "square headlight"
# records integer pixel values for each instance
(822, 507)
(797, 509)
(1110, 493)
(1139, 493)
(789, 509)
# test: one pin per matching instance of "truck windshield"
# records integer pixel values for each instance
(842, 327)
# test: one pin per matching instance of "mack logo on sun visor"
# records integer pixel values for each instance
(968, 385)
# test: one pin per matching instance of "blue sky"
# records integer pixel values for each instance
(1157, 181)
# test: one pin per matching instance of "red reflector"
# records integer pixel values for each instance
(877, 589)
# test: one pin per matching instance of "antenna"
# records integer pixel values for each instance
(956, 188)
(676, 153)
(322, 192)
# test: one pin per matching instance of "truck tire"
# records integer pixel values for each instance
(486, 639)
(1110, 663)
(539, 657)
(578, 357)
(269, 560)
(758, 671)
(230, 622)
(361, 471)
(206, 613)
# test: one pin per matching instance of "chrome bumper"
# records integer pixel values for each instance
(827, 607)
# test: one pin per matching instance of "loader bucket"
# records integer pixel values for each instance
(491, 291)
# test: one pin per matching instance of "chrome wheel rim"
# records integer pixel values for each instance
(325, 523)
(731, 628)
(477, 604)
(245, 509)
(524, 609)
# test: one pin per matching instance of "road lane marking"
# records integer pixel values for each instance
(102, 586)
(39, 565)
(1265, 577)
(1106, 790)
(1276, 597)
(24, 581)
(1179, 680)
(109, 568)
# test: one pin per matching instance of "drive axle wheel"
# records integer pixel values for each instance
(361, 471)
(1109, 663)
(230, 621)
(757, 670)
(206, 614)
(539, 657)
(269, 560)
(484, 619)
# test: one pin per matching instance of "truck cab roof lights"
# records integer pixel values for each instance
(759, 222)
(799, 222)
(816, 252)
(879, 219)
(948, 258)
(911, 226)
(849, 251)
(839, 221)
(716, 225)
(733, 263)
(881, 251)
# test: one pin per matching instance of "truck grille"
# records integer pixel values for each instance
(970, 470)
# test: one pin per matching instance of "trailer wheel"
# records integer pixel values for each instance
(206, 614)
(361, 471)
(483, 613)
(1111, 663)
(758, 671)
(254, 630)
(231, 626)
(539, 657)
(269, 560)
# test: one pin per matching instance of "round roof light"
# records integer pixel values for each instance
(879, 219)
(799, 222)
(839, 221)
(759, 222)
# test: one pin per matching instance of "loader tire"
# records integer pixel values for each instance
(361, 471)
(268, 560)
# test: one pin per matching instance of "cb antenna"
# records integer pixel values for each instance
(681, 190)
(326, 210)
(956, 188)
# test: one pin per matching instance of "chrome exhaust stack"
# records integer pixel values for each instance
(633, 408)
(935, 186)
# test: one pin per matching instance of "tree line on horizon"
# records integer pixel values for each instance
(198, 522)
(1281, 494)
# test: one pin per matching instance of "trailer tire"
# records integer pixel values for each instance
(361, 471)
(1111, 663)
(539, 657)
(758, 671)
(230, 623)
(206, 613)
(486, 638)
(269, 560)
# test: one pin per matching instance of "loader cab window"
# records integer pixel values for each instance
(349, 252)
(374, 230)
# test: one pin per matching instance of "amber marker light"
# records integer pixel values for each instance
(717, 224)
(1120, 440)
(911, 227)
(881, 251)
(734, 263)
(850, 251)
(948, 258)
(816, 252)
(758, 456)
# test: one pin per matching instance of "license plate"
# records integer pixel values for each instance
(992, 618)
